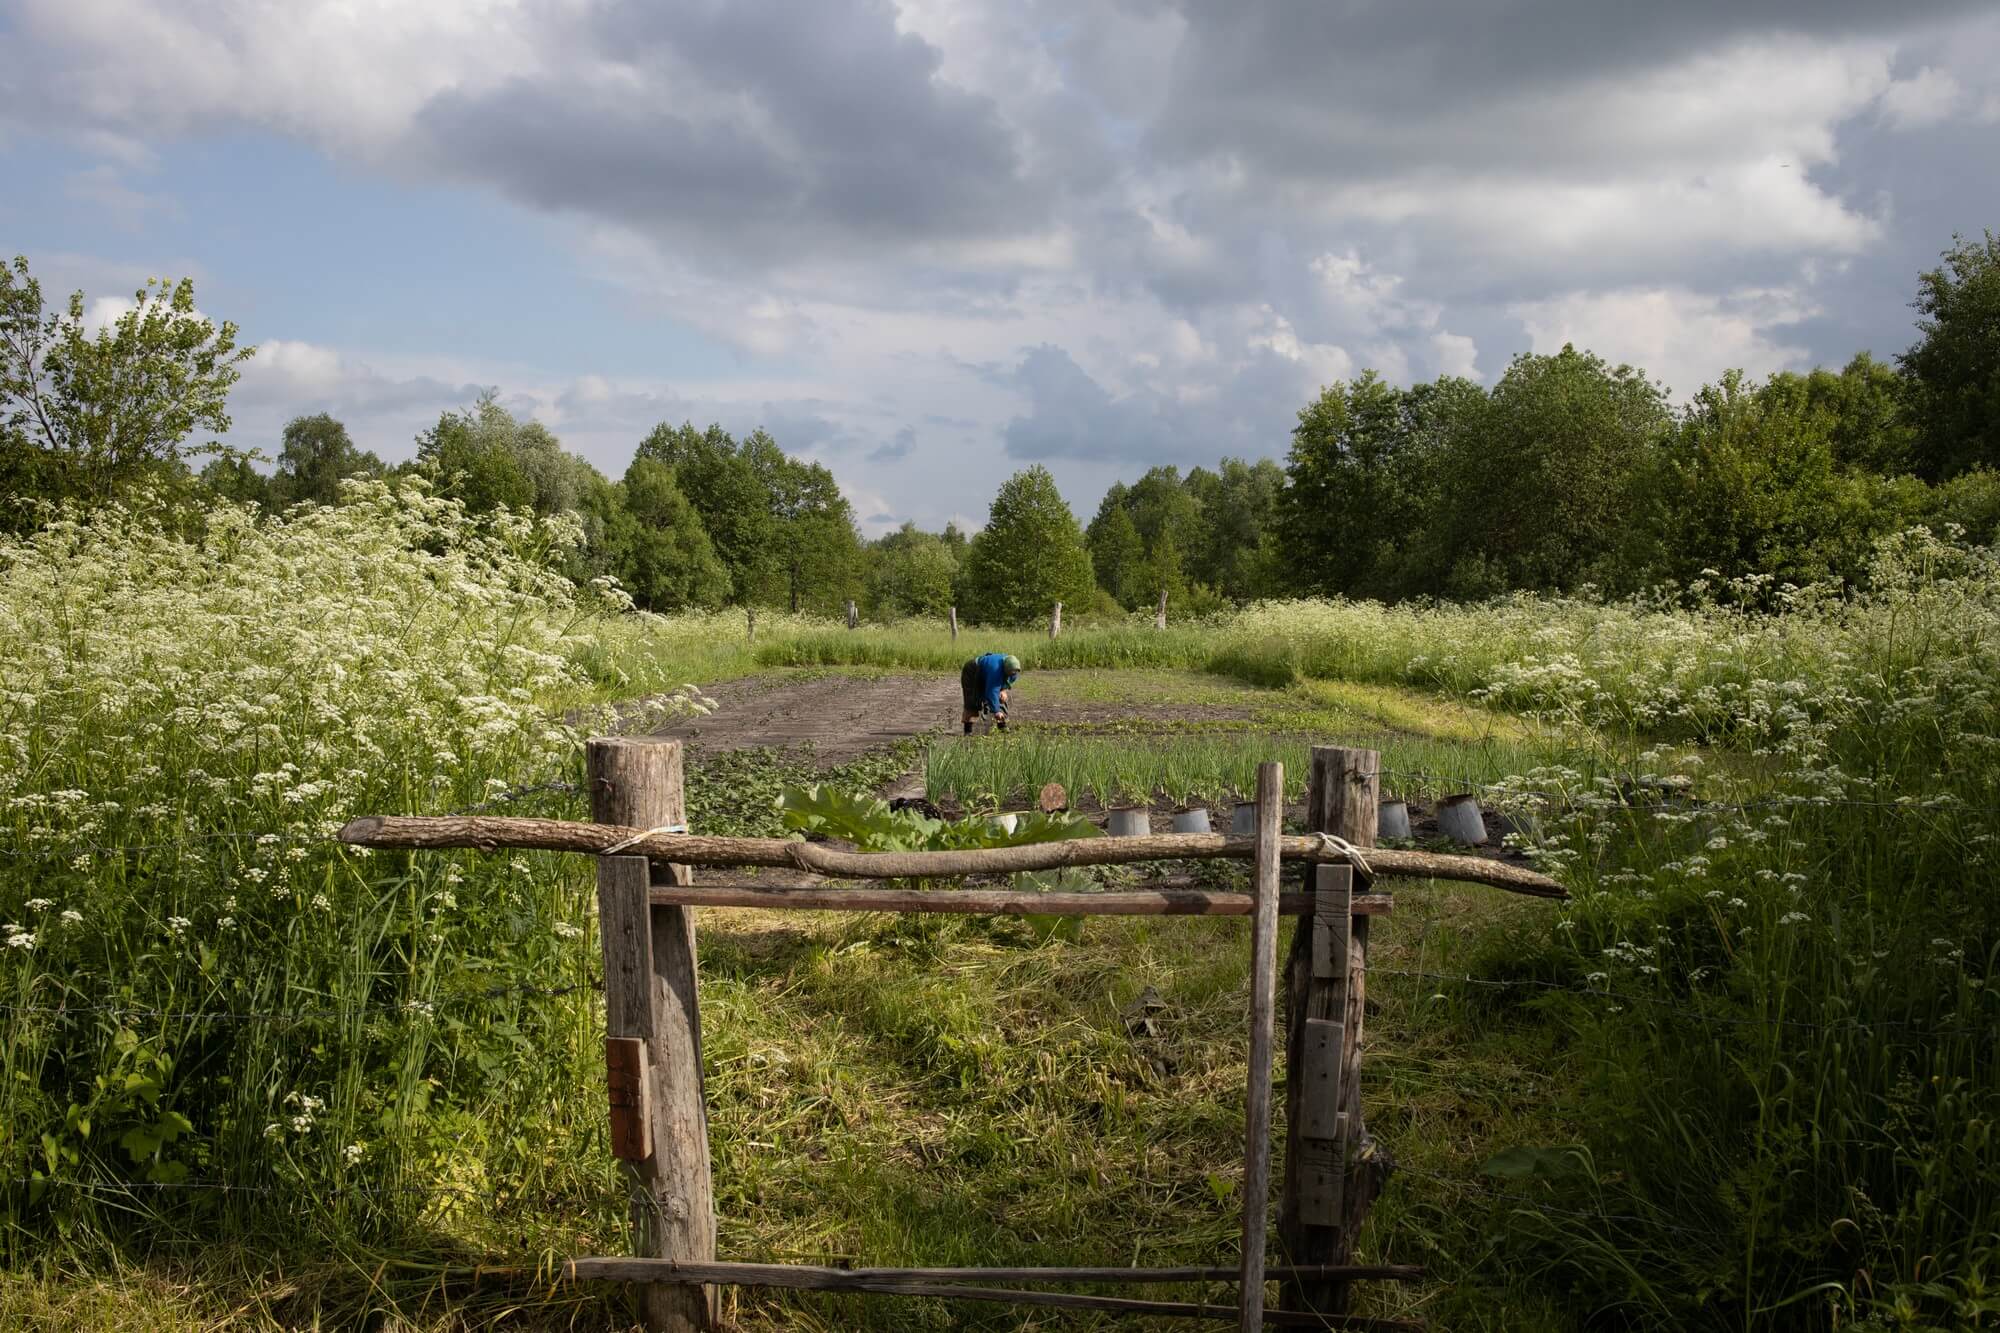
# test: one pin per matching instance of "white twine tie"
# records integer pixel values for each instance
(618, 847)
(1333, 842)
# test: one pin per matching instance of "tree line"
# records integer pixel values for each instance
(1567, 472)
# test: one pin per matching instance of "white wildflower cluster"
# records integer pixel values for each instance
(301, 1114)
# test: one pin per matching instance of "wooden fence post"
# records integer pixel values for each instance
(1263, 999)
(653, 1028)
(853, 616)
(1160, 616)
(1055, 621)
(954, 624)
(1333, 1170)
(750, 615)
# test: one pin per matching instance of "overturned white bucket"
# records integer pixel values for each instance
(1393, 820)
(1191, 821)
(1459, 819)
(1129, 822)
(1243, 819)
(1007, 823)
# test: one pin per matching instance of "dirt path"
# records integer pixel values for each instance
(841, 718)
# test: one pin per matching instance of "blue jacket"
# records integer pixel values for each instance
(992, 679)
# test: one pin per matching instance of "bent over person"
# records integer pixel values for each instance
(984, 682)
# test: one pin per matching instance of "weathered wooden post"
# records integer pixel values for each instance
(853, 616)
(653, 1028)
(954, 624)
(1160, 616)
(1263, 1000)
(1333, 1170)
(750, 615)
(1055, 621)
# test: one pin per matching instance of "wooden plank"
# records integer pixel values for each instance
(1263, 1006)
(636, 782)
(626, 1077)
(1318, 1187)
(994, 902)
(809, 1277)
(492, 832)
(1319, 1067)
(1341, 799)
(1333, 903)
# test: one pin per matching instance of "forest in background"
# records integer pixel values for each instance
(1569, 473)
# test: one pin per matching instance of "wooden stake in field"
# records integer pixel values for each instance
(653, 1028)
(954, 624)
(1263, 998)
(1055, 621)
(853, 615)
(1160, 616)
(1333, 1170)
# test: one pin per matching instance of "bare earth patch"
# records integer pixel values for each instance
(841, 717)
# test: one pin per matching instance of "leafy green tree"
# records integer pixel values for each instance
(733, 500)
(914, 574)
(85, 415)
(466, 456)
(814, 552)
(1537, 490)
(1030, 554)
(232, 476)
(1343, 496)
(1954, 370)
(1117, 553)
(1747, 483)
(488, 458)
(1868, 402)
(1238, 505)
(315, 457)
(655, 543)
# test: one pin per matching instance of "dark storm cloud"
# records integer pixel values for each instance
(746, 129)
(1314, 86)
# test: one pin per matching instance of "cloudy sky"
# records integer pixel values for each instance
(929, 242)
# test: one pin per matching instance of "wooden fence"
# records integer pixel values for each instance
(1332, 1169)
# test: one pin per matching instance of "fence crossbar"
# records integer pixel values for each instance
(490, 833)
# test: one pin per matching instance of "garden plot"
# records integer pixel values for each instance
(840, 717)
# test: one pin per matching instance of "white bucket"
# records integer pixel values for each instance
(1459, 819)
(1129, 822)
(1243, 820)
(1191, 821)
(1393, 820)
(1007, 823)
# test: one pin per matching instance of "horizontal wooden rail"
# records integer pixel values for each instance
(992, 902)
(491, 833)
(810, 1277)
(901, 1282)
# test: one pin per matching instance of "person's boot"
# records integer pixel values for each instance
(968, 728)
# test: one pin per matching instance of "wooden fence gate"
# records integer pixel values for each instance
(1332, 1169)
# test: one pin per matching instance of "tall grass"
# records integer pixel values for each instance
(197, 988)
(1781, 992)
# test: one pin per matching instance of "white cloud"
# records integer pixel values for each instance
(1456, 354)
(1682, 338)
(1927, 98)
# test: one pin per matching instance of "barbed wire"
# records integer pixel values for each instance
(407, 1008)
(231, 1187)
